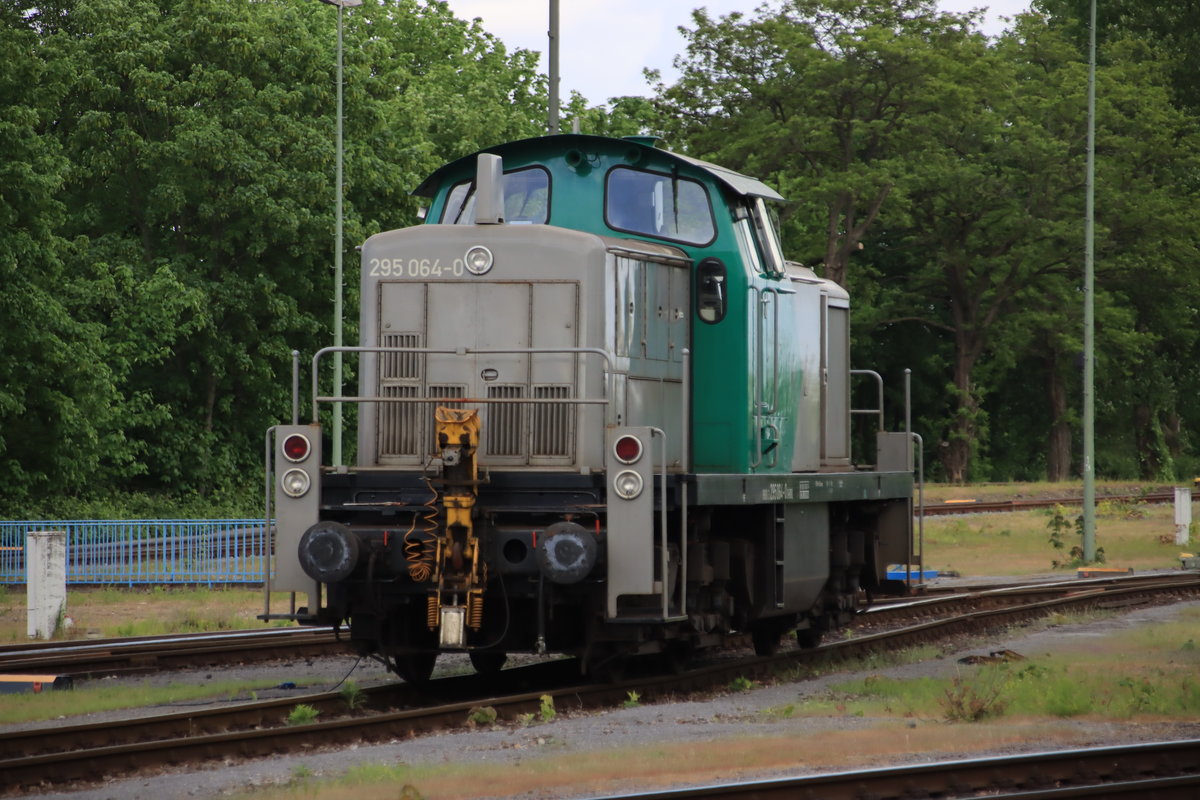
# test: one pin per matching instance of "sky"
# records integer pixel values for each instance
(604, 44)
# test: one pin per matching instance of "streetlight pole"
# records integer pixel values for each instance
(553, 58)
(1089, 324)
(337, 244)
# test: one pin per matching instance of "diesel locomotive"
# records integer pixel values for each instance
(598, 413)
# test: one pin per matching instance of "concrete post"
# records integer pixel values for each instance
(1183, 515)
(46, 581)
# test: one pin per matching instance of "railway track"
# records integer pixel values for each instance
(37, 759)
(1160, 770)
(1032, 504)
(144, 654)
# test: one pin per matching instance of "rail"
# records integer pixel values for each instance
(139, 552)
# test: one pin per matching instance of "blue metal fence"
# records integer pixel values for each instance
(131, 552)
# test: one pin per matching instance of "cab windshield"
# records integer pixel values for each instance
(526, 199)
(664, 206)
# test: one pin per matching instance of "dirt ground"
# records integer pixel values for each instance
(714, 731)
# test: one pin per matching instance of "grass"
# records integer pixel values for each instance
(1149, 673)
(96, 696)
(1132, 535)
(109, 612)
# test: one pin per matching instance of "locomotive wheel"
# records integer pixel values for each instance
(606, 667)
(415, 667)
(676, 658)
(765, 639)
(487, 662)
(808, 638)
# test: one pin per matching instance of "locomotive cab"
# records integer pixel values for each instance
(598, 414)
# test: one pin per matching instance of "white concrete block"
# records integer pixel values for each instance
(46, 581)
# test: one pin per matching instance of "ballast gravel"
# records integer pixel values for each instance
(723, 717)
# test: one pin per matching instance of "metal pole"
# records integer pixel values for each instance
(553, 34)
(337, 244)
(1089, 362)
(337, 265)
(295, 387)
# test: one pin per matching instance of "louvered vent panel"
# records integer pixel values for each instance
(400, 366)
(446, 391)
(504, 429)
(438, 394)
(553, 423)
(399, 423)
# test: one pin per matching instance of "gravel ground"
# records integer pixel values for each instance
(720, 718)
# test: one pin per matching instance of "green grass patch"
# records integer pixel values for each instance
(1148, 672)
(1019, 543)
(153, 611)
(93, 697)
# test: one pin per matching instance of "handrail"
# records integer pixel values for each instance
(609, 375)
(462, 351)
(879, 382)
(920, 509)
(663, 560)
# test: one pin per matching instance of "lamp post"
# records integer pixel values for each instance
(337, 244)
(553, 58)
(1089, 318)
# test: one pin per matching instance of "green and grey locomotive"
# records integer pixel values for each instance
(598, 413)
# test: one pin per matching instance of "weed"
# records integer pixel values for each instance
(1058, 526)
(303, 714)
(352, 695)
(632, 699)
(780, 712)
(741, 684)
(481, 715)
(962, 701)
(1142, 692)
(1121, 509)
(525, 720)
(302, 772)
(546, 710)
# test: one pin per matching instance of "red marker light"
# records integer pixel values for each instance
(296, 447)
(627, 449)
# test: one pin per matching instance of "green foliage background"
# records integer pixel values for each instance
(938, 174)
(166, 216)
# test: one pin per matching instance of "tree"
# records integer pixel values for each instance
(1172, 28)
(998, 224)
(59, 424)
(822, 98)
(195, 195)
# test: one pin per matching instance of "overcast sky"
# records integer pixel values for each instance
(604, 44)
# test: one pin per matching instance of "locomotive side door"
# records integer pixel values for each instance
(765, 316)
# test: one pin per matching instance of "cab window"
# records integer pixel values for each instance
(767, 229)
(663, 206)
(758, 238)
(526, 199)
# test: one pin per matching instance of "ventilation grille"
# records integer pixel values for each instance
(399, 423)
(504, 430)
(406, 429)
(553, 423)
(400, 366)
